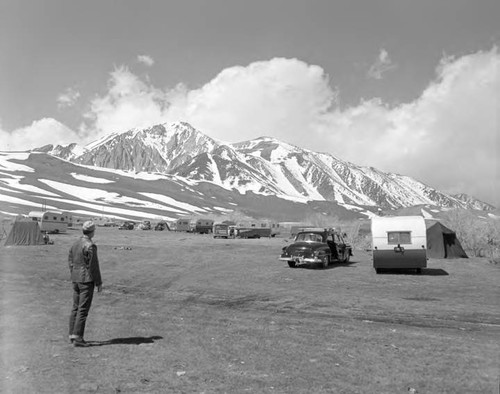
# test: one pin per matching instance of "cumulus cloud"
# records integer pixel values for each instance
(68, 98)
(145, 59)
(382, 64)
(128, 103)
(39, 133)
(280, 97)
(447, 138)
(284, 98)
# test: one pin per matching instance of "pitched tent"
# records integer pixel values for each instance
(442, 242)
(25, 233)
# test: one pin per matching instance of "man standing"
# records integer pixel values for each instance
(85, 277)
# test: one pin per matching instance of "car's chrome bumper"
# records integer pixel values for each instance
(301, 260)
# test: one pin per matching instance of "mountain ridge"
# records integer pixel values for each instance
(264, 165)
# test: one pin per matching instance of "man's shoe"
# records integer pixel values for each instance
(79, 342)
(72, 339)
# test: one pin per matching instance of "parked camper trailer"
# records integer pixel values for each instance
(399, 242)
(253, 232)
(51, 221)
(187, 225)
(275, 229)
(257, 229)
(204, 226)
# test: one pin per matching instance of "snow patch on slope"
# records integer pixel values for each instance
(91, 179)
(170, 201)
(7, 165)
(14, 182)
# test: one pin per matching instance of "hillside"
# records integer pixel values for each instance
(173, 170)
(32, 181)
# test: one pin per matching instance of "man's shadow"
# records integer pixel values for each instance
(126, 341)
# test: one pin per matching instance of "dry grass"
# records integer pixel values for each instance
(184, 313)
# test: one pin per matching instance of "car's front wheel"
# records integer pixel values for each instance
(291, 264)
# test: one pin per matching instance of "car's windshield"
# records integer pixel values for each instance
(309, 237)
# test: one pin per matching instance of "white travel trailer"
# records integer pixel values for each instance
(51, 221)
(184, 224)
(399, 242)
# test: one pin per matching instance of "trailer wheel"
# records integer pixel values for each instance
(419, 271)
(378, 270)
(291, 264)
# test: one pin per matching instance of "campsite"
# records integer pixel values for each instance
(187, 313)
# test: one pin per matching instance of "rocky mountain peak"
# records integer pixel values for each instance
(264, 166)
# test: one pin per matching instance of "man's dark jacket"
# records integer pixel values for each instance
(83, 262)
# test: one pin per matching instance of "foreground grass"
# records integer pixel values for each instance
(186, 313)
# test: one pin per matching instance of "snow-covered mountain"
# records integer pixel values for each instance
(157, 149)
(67, 152)
(264, 166)
(34, 181)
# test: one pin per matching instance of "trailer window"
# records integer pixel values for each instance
(399, 237)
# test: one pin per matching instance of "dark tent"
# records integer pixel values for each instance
(442, 243)
(25, 233)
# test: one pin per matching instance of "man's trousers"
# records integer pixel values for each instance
(82, 299)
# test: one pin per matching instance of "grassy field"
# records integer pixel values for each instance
(186, 313)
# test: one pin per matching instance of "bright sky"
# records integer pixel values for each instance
(404, 86)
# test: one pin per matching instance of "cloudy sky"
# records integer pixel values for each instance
(405, 86)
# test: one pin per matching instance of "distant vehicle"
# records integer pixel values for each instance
(110, 224)
(52, 222)
(145, 225)
(253, 232)
(102, 221)
(224, 230)
(187, 225)
(127, 225)
(399, 242)
(317, 246)
(204, 226)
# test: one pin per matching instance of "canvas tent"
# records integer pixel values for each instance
(24, 233)
(442, 242)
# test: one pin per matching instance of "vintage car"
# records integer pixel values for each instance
(145, 225)
(110, 224)
(318, 246)
(127, 225)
